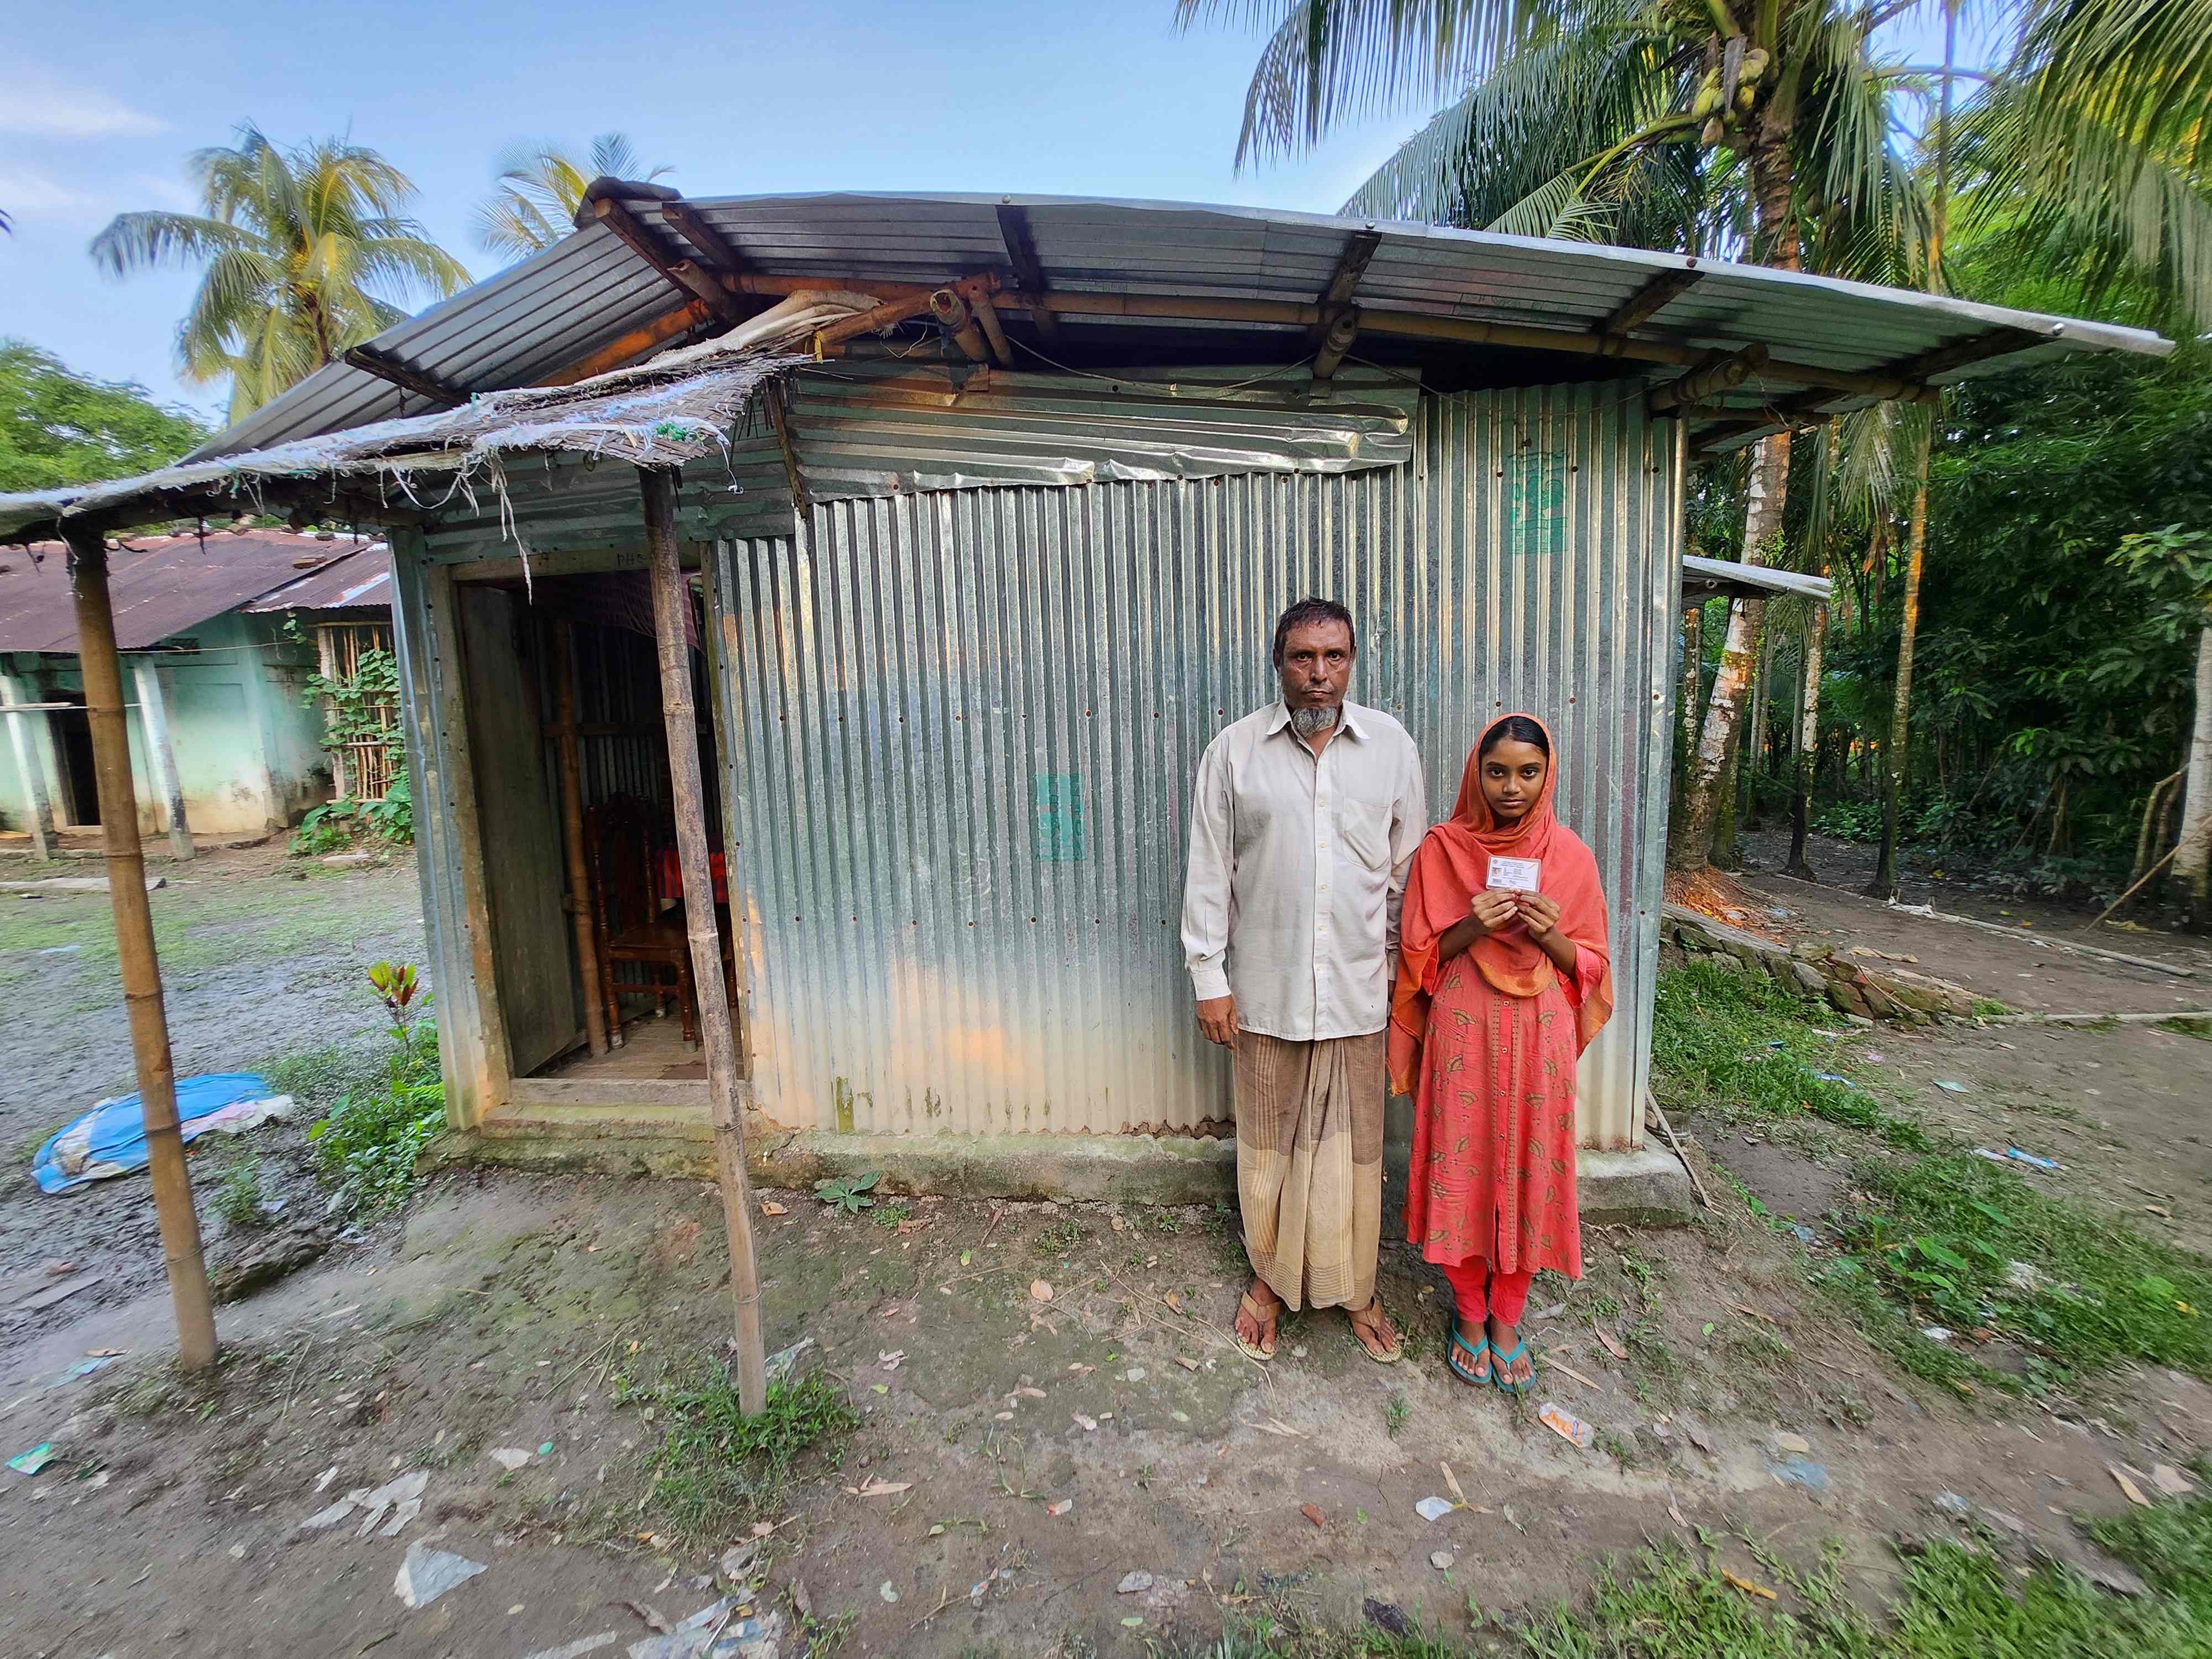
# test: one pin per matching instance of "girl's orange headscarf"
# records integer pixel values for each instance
(1453, 866)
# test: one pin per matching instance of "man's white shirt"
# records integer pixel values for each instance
(1297, 865)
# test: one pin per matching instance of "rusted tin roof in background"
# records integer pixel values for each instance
(359, 581)
(160, 584)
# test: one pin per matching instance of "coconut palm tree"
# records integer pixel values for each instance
(304, 252)
(540, 187)
(1733, 126)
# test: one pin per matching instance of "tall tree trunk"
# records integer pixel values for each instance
(1690, 681)
(2192, 856)
(1808, 748)
(1895, 752)
(1690, 843)
(1774, 242)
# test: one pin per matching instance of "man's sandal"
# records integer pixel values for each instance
(1500, 1363)
(1264, 1318)
(1377, 1320)
(1475, 1354)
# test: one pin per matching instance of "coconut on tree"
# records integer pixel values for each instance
(303, 253)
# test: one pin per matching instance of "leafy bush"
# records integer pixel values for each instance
(369, 1143)
(336, 823)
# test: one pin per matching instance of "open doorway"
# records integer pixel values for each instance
(576, 821)
(76, 786)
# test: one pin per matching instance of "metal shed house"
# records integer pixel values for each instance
(992, 503)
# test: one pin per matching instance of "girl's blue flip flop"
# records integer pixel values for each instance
(1500, 1363)
(1466, 1373)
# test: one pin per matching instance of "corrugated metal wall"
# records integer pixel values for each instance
(963, 725)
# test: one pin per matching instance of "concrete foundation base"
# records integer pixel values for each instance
(1647, 1188)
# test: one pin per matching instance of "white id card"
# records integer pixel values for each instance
(1521, 875)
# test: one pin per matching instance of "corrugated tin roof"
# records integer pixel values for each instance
(548, 312)
(360, 581)
(1703, 578)
(160, 584)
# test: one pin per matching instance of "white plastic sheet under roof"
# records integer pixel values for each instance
(537, 317)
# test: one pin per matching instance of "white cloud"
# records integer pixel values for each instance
(31, 194)
(38, 106)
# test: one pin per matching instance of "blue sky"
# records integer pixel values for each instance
(105, 101)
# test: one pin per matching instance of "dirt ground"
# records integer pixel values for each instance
(261, 957)
(540, 1317)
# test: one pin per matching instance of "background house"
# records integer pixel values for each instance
(202, 621)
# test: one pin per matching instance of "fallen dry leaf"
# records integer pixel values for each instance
(1082, 1369)
(1060, 1508)
(1188, 1364)
(1040, 1291)
(876, 1488)
(1029, 1394)
(1451, 1481)
(1675, 1511)
(1174, 1301)
(1088, 1425)
(1754, 1313)
(767, 1208)
(1747, 1586)
(1313, 1514)
(653, 1621)
(2128, 1488)
(2170, 1480)
(1611, 1343)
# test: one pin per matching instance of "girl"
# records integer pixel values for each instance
(1501, 986)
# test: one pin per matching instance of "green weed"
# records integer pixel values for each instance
(716, 1466)
(1396, 1413)
(1061, 1237)
(848, 1195)
(237, 1196)
(368, 1144)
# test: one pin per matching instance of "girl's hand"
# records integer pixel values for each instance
(1541, 913)
(1493, 909)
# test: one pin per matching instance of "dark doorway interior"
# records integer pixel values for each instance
(77, 794)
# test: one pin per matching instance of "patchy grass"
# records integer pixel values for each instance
(1742, 1055)
(716, 1466)
(321, 1076)
(1935, 1236)
(1955, 1602)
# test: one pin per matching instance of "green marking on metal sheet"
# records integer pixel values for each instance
(1056, 798)
(1537, 501)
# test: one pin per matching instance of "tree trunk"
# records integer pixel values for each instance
(1774, 242)
(1808, 748)
(1691, 842)
(1895, 751)
(1690, 682)
(2192, 858)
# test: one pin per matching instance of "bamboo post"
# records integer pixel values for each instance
(572, 832)
(671, 603)
(134, 950)
(38, 809)
(160, 756)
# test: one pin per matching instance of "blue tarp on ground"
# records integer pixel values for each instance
(110, 1140)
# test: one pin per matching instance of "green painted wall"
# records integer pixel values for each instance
(248, 748)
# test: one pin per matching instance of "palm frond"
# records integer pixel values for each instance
(135, 241)
(1329, 60)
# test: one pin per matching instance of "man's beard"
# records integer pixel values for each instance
(1312, 722)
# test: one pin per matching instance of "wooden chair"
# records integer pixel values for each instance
(619, 835)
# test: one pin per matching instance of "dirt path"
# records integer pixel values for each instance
(261, 957)
(559, 1317)
(537, 1314)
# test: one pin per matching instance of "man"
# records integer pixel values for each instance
(1306, 818)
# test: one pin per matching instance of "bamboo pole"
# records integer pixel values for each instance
(670, 601)
(572, 832)
(38, 810)
(134, 949)
(161, 755)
